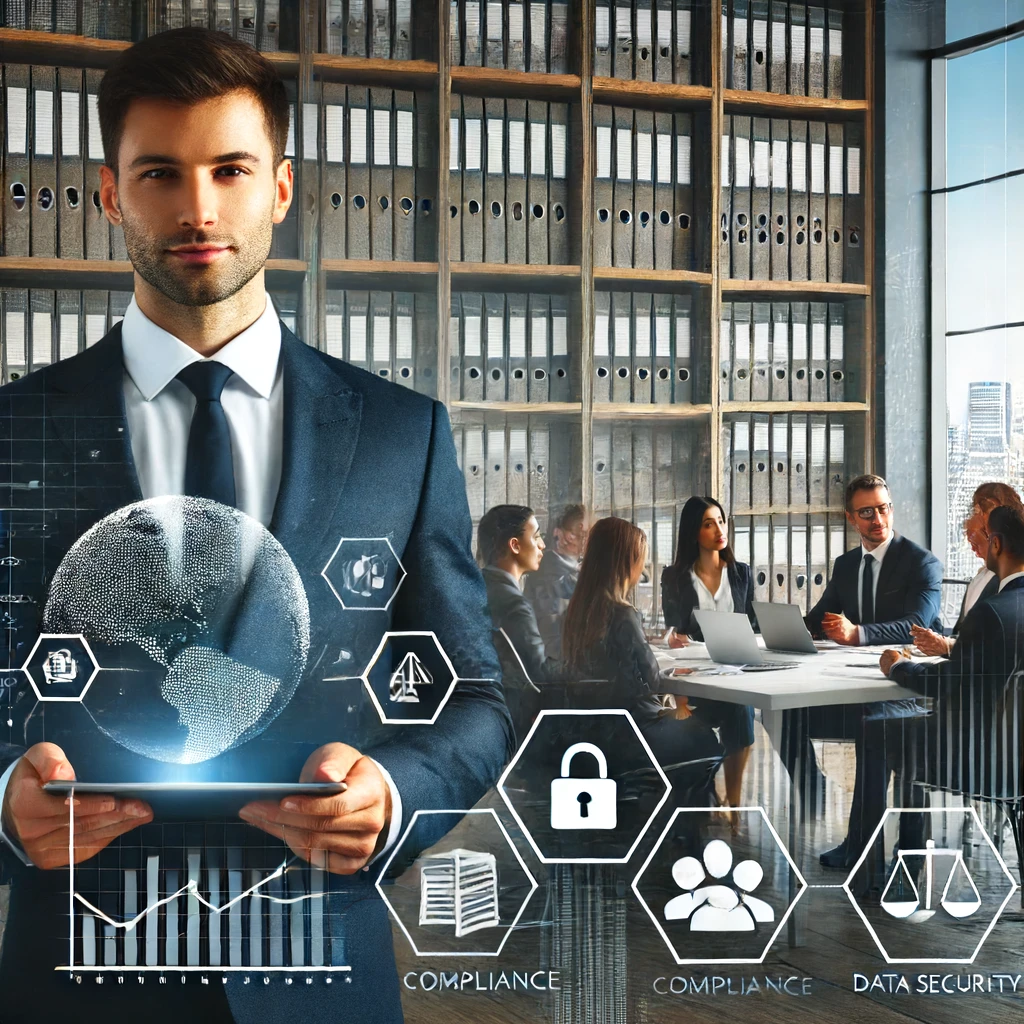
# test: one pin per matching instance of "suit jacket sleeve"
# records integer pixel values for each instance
(633, 660)
(921, 606)
(974, 657)
(830, 601)
(452, 763)
(747, 574)
(522, 629)
(670, 599)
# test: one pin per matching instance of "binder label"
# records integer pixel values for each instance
(517, 147)
(17, 121)
(44, 122)
(537, 148)
(382, 138)
(334, 128)
(683, 159)
(357, 135)
(494, 145)
(403, 138)
(70, 108)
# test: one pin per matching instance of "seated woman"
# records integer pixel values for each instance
(602, 638)
(706, 576)
(986, 497)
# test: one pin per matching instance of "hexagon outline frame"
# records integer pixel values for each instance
(508, 839)
(365, 676)
(782, 921)
(1014, 886)
(61, 636)
(577, 712)
(341, 600)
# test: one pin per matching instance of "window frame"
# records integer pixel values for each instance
(938, 417)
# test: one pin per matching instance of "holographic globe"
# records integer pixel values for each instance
(198, 619)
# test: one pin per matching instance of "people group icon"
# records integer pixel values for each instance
(711, 900)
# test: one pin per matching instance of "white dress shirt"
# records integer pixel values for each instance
(976, 586)
(878, 554)
(159, 414)
(720, 600)
(1012, 576)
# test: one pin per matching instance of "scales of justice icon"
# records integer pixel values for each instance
(902, 899)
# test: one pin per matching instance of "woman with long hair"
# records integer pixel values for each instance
(705, 575)
(986, 497)
(602, 637)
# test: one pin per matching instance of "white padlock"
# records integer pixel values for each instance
(583, 803)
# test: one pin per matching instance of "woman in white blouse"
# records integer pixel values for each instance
(705, 575)
(986, 497)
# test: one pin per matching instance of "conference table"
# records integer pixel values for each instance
(834, 675)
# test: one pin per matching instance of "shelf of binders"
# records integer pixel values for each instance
(787, 407)
(516, 276)
(791, 289)
(37, 271)
(501, 82)
(773, 104)
(28, 47)
(519, 408)
(653, 411)
(415, 275)
(649, 95)
(638, 277)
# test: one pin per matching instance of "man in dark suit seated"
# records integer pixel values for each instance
(956, 746)
(876, 593)
(549, 588)
(509, 545)
(203, 395)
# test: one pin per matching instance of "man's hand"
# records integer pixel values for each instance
(840, 629)
(930, 643)
(39, 820)
(888, 659)
(339, 833)
(677, 640)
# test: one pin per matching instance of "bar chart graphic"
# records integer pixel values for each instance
(201, 899)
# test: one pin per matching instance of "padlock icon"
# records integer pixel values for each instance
(583, 803)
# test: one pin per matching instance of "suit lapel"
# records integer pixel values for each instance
(739, 602)
(321, 429)
(86, 411)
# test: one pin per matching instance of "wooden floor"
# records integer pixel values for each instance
(588, 925)
(834, 945)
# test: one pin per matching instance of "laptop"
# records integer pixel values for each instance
(730, 641)
(783, 629)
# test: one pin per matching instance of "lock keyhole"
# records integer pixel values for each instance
(584, 799)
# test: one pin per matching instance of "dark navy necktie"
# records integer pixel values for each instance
(209, 471)
(867, 591)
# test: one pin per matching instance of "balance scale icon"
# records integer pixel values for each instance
(902, 899)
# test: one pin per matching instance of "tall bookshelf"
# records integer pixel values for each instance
(686, 436)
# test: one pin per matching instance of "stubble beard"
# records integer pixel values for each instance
(196, 285)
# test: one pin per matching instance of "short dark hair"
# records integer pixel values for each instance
(1008, 523)
(574, 513)
(497, 527)
(865, 482)
(187, 65)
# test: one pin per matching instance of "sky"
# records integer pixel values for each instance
(984, 223)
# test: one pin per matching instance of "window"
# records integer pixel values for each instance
(978, 268)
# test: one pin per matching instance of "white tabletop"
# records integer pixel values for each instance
(847, 675)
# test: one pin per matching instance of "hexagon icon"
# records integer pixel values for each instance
(409, 678)
(588, 789)
(716, 898)
(465, 893)
(60, 667)
(940, 899)
(364, 573)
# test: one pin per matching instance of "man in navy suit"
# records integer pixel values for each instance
(958, 746)
(877, 591)
(202, 390)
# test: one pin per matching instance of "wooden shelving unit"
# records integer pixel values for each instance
(695, 429)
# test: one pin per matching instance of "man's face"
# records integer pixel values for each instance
(871, 514)
(198, 195)
(573, 539)
(529, 549)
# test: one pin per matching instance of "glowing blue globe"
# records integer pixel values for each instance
(198, 619)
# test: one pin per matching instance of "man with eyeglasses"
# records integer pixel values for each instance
(883, 587)
(877, 592)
